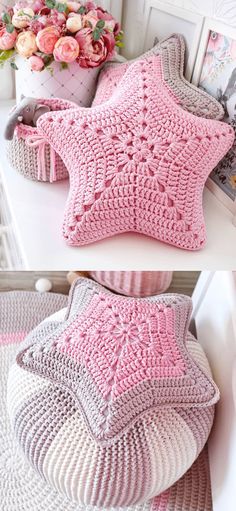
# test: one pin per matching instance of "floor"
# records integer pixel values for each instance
(183, 282)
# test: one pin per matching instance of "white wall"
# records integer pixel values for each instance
(214, 302)
(223, 10)
(113, 6)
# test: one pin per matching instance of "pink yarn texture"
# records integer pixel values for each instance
(172, 52)
(134, 283)
(137, 163)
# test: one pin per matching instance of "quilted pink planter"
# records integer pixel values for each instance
(73, 84)
(134, 283)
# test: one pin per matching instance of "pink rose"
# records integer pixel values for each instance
(26, 44)
(36, 63)
(93, 53)
(66, 49)
(7, 41)
(73, 6)
(22, 18)
(38, 24)
(37, 6)
(21, 5)
(90, 19)
(47, 38)
(90, 6)
(74, 22)
(55, 18)
(110, 22)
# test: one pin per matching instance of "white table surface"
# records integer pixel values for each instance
(37, 212)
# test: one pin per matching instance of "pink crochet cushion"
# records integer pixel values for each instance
(22, 311)
(55, 104)
(137, 163)
(134, 283)
(117, 389)
(99, 353)
(172, 52)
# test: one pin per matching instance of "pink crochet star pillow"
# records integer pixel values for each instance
(137, 163)
(120, 358)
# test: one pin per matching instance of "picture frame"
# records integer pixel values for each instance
(215, 80)
(162, 19)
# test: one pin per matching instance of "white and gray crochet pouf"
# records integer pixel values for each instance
(21, 488)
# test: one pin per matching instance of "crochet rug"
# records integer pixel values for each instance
(21, 489)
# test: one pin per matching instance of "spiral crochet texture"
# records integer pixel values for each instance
(117, 393)
(137, 163)
(172, 52)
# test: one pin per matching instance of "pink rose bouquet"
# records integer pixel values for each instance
(64, 31)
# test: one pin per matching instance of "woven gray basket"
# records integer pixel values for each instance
(31, 155)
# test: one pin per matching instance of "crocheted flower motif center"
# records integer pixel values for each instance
(125, 333)
(137, 152)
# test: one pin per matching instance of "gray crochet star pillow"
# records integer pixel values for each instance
(172, 51)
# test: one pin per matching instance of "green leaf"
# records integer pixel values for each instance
(6, 55)
(81, 10)
(6, 18)
(119, 36)
(61, 7)
(14, 66)
(64, 65)
(23, 13)
(96, 34)
(120, 44)
(10, 28)
(100, 24)
(48, 59)
(50, 4)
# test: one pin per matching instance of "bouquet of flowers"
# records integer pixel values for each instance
(64, 31)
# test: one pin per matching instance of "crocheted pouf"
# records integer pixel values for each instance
(113, 405)
(137, 163)
(30, 154)
(134, 283)
(21, 488)
(172, 51)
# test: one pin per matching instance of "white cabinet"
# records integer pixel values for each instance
(113, 6)
(134, 22)
(10, 257)
(215, 318)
